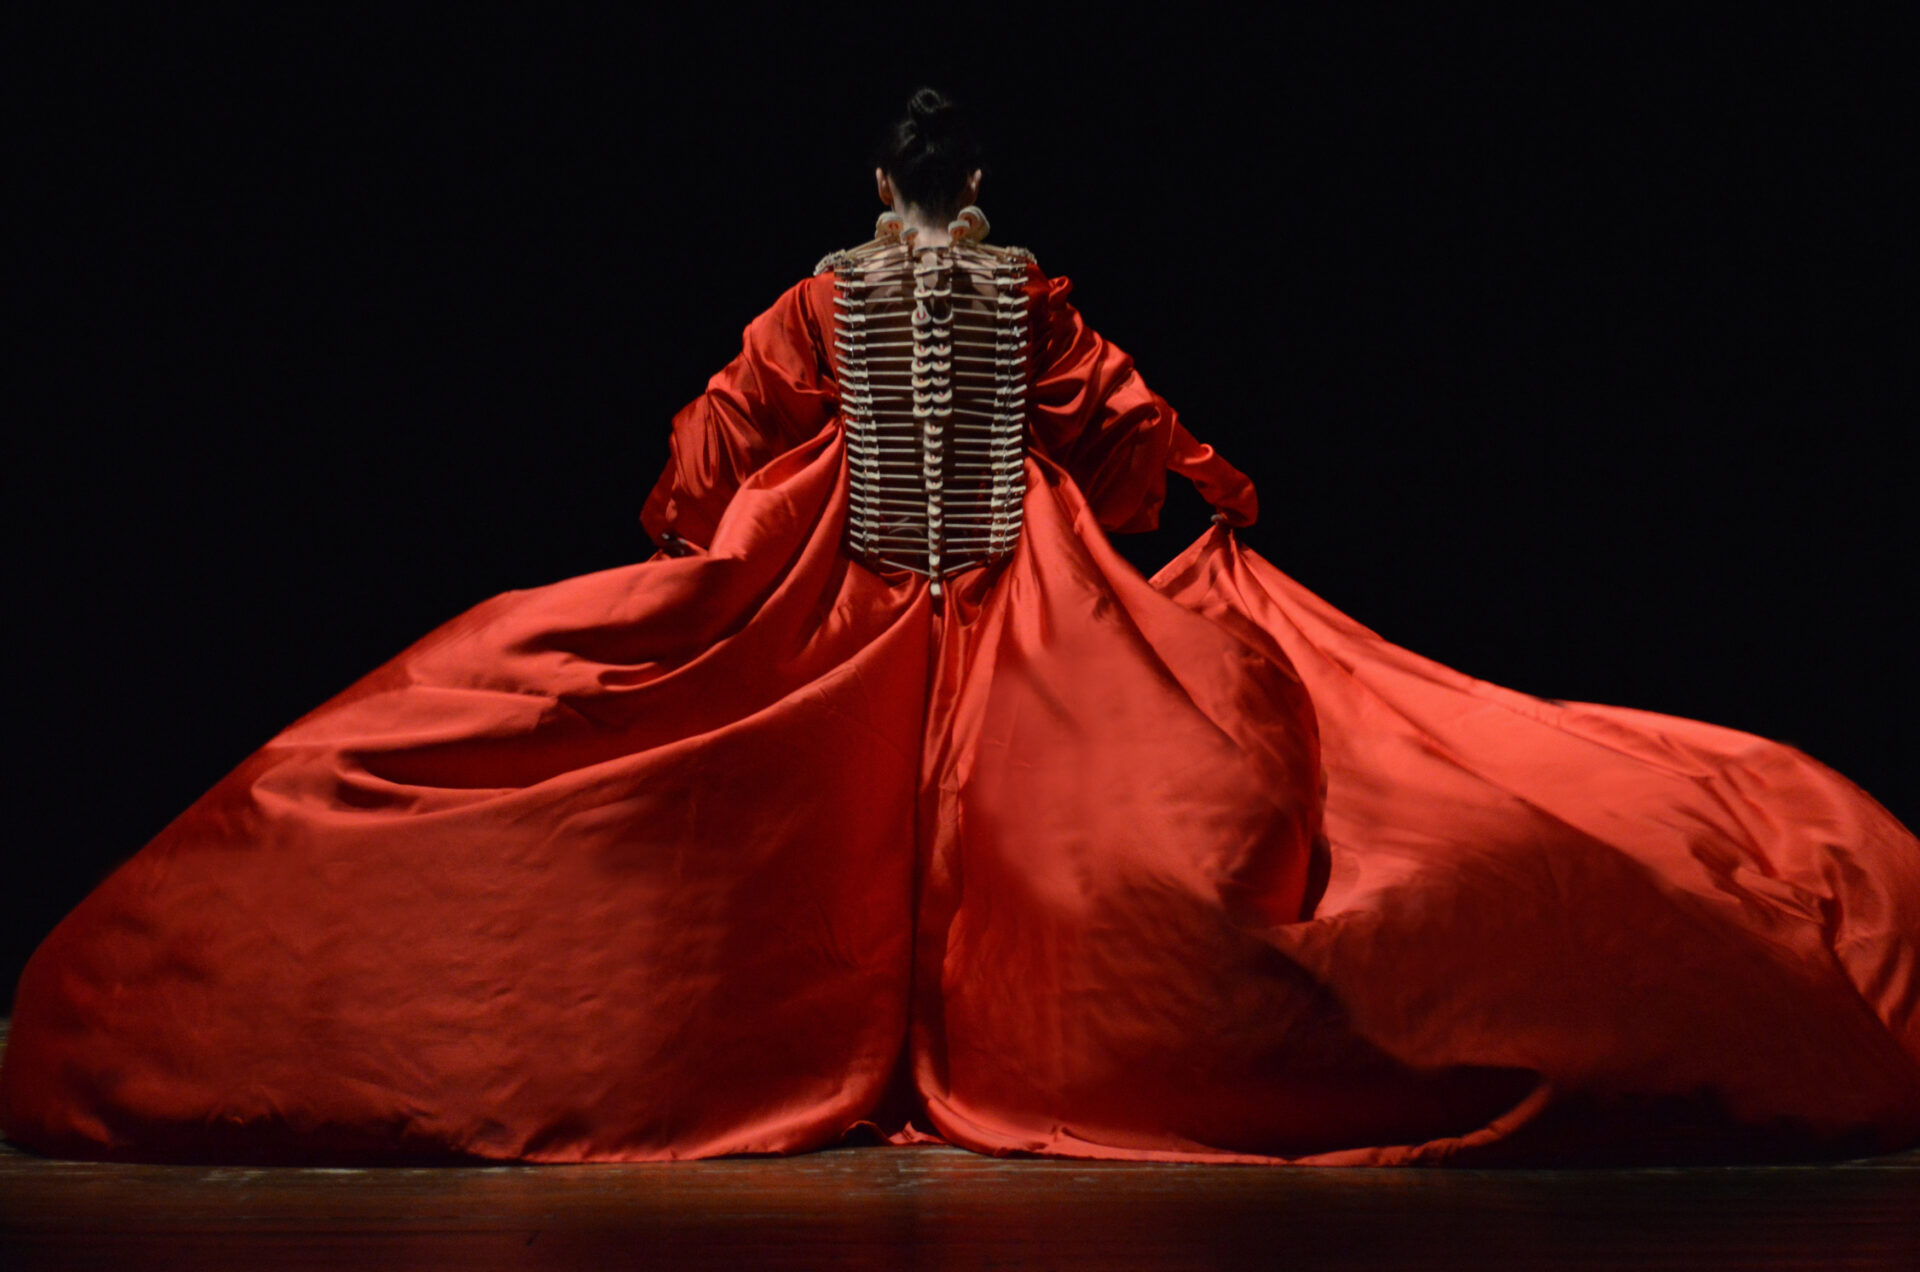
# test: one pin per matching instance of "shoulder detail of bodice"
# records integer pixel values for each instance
(834, 262)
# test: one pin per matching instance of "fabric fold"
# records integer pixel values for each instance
(746, 847)
(607, 870)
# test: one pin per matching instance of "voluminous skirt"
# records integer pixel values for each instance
(741, 851)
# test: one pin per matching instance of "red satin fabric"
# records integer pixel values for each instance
(740, 850)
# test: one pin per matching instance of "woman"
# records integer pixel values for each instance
(887, 798)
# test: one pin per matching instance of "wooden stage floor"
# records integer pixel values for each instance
(909, 1208)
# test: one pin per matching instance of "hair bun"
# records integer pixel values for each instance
(930, 112)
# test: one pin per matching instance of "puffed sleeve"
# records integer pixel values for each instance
(1095, 416)
(775, 394)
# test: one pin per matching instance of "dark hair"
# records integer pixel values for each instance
(929, 154)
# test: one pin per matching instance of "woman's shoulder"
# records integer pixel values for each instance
(844, 259)
(1050, 290)
(1049, 305)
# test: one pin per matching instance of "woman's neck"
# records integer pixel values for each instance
(930, 231)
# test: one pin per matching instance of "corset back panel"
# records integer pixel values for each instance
(933, 348)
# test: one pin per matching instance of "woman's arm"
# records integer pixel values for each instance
(774, 395)
(1097, 418)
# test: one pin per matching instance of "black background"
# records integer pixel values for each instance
(1562, 349)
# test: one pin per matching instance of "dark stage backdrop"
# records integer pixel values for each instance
(1562, 350)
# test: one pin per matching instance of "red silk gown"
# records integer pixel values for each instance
(740, 850)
